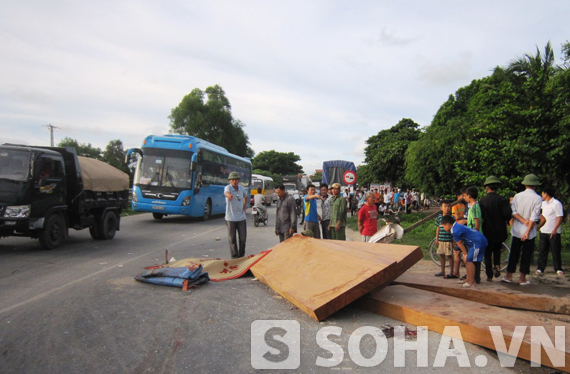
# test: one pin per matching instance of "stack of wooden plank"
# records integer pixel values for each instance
(436, 303)
(322, 276)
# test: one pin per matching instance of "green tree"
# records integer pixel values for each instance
(277, 162)
(210, 120)
(509, 124)
(364, 175)
(318, 176)
(385, 153)
(114, 155)
(83, 149)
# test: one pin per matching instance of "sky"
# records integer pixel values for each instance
(316, 78)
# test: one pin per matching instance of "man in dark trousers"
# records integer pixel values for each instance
(496, 212)
(285, 214)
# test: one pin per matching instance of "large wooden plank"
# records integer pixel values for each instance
(436, 311)
(322, 276)
(533, 297)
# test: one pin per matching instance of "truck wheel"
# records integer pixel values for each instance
(94, 233)
(157, 215)
(207, 210)
(107, 227)
(52, 235)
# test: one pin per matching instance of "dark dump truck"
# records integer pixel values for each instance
(44, 191)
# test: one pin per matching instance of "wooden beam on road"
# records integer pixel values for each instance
(531, 297)
(323, 276)
(437, 311)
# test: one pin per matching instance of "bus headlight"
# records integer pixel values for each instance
(186, 201)
(135, 197)
(18, 211)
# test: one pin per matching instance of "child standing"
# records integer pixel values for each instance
(474, 221)
(444, 242)
(472, 244)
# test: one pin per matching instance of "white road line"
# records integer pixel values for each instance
(49, 292)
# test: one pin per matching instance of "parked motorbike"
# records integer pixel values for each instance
(257, 216)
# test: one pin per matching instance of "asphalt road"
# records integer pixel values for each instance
(77, 309)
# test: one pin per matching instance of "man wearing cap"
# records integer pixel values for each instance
(526, 212)
(496, 212)
(236, 204)
(338, 215)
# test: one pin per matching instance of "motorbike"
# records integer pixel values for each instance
(257, 216)
(298, 204)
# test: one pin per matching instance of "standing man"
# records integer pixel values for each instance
(311, 215)
(396, 200)
(286, 215)
(338, 215)
(496, 213)
(236, 203)
(377, 200)
(550, 221)
(526, 212)
(326, 206)
(387, 198)
(368, 218)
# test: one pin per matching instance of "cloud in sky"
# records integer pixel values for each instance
(316, 78)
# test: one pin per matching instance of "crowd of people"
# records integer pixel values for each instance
(471, 231)
(476, 229)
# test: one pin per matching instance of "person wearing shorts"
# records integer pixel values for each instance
(472, 244)
(444, 242)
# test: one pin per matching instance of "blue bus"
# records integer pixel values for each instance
(181, 174)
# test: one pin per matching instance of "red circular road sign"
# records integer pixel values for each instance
(349, 177)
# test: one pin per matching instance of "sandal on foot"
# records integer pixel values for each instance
(505, 280)
(467, 285)
(463, 277)
(525, 283)
(497, 272)
(450, 276)
(440, 274)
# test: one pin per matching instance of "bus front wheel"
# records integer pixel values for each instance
(157, 215)
(207, 210)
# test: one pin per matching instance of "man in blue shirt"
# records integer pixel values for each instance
(471, 242)
(312, 217)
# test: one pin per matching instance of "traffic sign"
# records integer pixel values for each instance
(349, 177)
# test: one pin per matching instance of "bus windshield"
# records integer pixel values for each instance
(257, 183)
(165, 168)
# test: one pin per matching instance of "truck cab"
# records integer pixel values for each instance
(42, 194)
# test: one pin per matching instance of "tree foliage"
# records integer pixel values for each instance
(386, 152)
(114, 155)
(83, 149)
(509, 124)
(280, 163)
(211, 120)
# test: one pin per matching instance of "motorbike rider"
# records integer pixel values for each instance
(258, 202)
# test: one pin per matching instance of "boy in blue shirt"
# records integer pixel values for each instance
(471, 242)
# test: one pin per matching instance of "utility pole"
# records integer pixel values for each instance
(51, 128)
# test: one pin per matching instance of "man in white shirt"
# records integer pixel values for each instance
(550, 230)
(526, 212)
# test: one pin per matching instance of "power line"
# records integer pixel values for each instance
(51, 128)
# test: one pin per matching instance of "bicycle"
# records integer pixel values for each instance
(505, 253)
